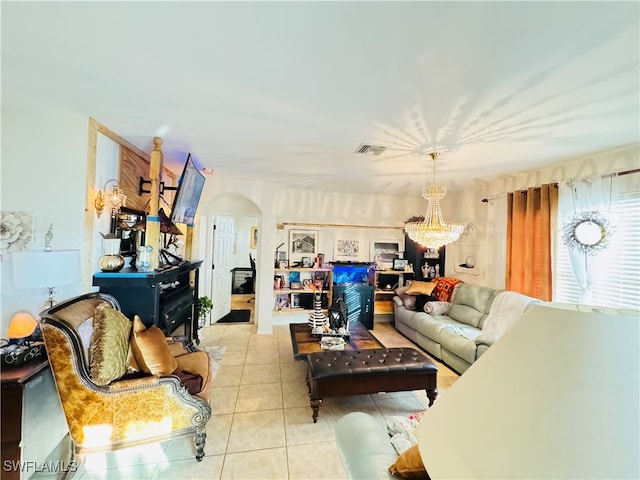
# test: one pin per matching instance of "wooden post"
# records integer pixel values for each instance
(188, 243)
(152, 237)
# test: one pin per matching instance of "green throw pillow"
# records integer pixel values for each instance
(109, 345)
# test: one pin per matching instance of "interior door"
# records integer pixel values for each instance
(221, 267)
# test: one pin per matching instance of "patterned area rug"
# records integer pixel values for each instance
(215, 355)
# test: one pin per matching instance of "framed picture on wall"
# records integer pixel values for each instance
(254, 237)
(346, 250)
(302, 243)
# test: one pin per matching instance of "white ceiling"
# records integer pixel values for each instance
(287, 91)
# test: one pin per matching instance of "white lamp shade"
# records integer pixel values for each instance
(555, 397)
(35, 269)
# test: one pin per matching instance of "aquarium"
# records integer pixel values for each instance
(349, 274)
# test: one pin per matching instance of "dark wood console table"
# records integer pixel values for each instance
(167, 298)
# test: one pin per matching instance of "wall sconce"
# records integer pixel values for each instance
(111, 196)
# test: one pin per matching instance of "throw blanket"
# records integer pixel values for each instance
(437, 308)
(507, 307)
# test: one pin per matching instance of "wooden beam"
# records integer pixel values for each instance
(338, 225)
(152, 236)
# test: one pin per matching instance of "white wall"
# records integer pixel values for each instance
(44, 157)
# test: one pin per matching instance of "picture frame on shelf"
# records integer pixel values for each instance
(306, 262)
(383, 252)
(282, 301)
(302, 243)
(400, 264)
(295, 300)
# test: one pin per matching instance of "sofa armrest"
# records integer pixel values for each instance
(398, 301)
(486, 339)
(180, 346)
(364, 447)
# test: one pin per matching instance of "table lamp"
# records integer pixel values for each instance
(35, 269)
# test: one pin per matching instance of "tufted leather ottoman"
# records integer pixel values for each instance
(357, 372)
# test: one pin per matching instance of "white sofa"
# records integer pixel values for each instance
(476, 318)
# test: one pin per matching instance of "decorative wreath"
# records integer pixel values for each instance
(587, 232)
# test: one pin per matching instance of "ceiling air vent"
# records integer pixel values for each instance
(367, 149)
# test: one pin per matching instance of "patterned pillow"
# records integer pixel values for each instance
(109, 344)
(444, 288)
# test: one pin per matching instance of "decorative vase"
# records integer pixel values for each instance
(111, 260)
(143, 258)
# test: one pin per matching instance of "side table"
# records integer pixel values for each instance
(32, 420)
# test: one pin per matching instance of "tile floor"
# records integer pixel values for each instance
(261, 427)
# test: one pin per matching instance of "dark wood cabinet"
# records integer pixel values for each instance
(32, 420)
(359, 300)
(167, 298)
(418, 256)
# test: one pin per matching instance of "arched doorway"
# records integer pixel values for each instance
(234, 223)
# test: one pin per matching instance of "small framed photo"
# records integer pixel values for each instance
(254, 237)
(400, 264)
(306, 262)
(295, 300)
(295, 286)
(431, 253)
(283, 263)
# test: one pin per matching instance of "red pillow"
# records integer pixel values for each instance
(444, 288)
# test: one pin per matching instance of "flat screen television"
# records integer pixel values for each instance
(190, 186)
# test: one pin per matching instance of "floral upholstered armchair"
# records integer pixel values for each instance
(119, 382)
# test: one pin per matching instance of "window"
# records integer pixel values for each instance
(617, 282)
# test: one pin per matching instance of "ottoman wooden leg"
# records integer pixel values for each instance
(432, 394)
(316, 403)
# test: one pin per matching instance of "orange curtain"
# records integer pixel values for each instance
(530, 213)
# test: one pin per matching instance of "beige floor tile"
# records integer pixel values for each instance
(315, 461)
(300, 428)
(340, 406)
(266, 396)
(295, 394)
(228, 376)
(263, 342)
(261, 464)
(125, 472)
(218, 430)
(234, 344)
(281, 331)
(286, 355)
(140, 455)
(256, 431)
(254, 374)
(223, 399)
(182, 448)
(397, 406)
(260, 356)
(233, 358)
(209, 468)
(293, 371)
(236, 331)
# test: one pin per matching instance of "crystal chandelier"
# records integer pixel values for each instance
(431, 230)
